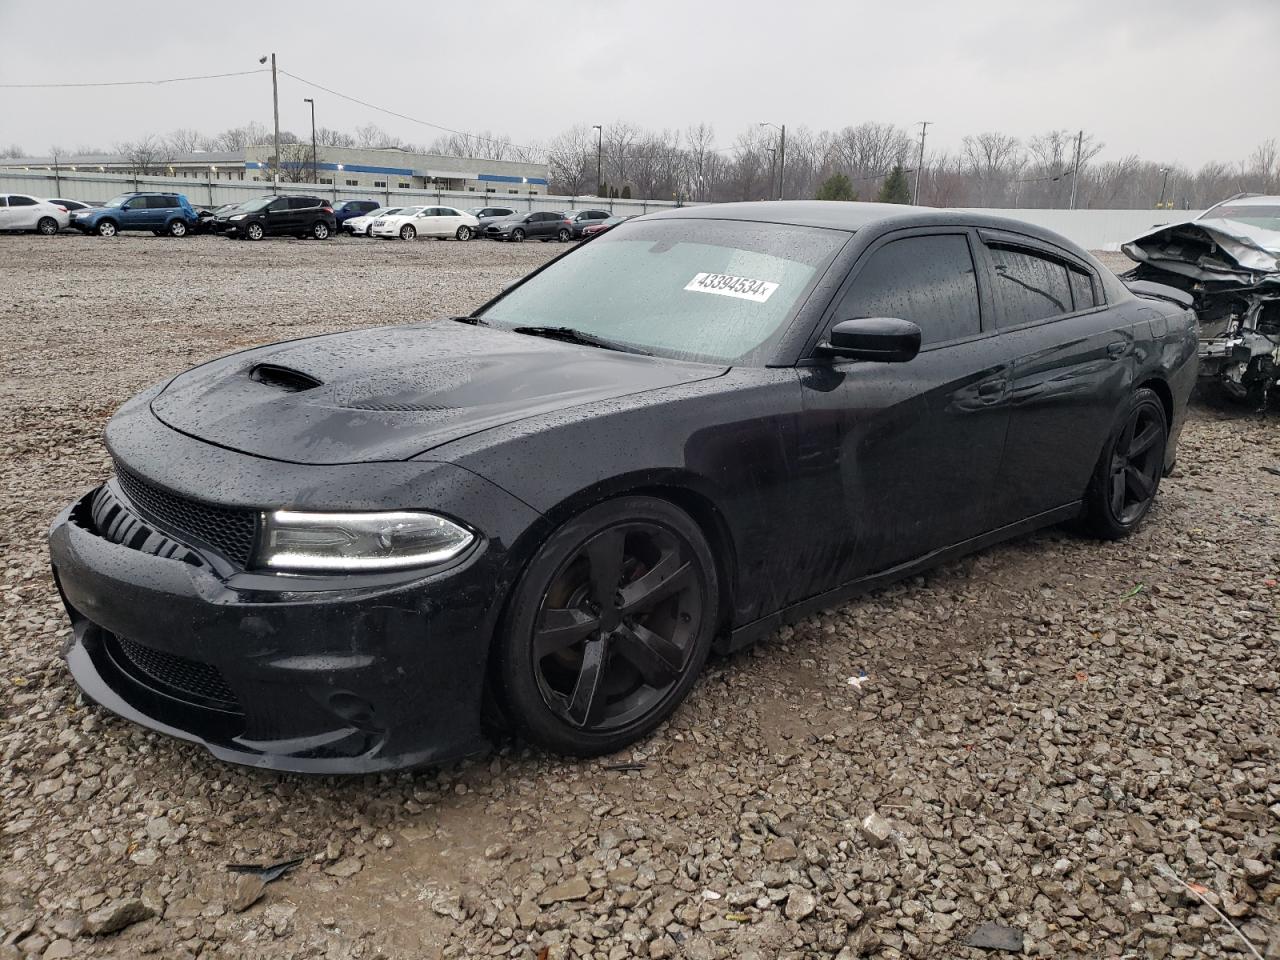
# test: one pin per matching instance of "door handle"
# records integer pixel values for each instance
(1117, 349)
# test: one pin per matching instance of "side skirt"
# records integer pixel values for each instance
(749, 633)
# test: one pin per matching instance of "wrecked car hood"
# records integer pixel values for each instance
(1214, 250)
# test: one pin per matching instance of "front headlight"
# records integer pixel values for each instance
(397, 540)
(238, 216)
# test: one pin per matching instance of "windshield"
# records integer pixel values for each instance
(709, 290)
(1266, 216)
(409, 211)
(383, 212)
(252, 206)
(119, 201)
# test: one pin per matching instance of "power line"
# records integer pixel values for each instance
(404, 116)
(130, 83)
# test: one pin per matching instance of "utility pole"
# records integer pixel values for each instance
(1075, 168)
(782, 154)
(315, 167)
(599, 158)
(1163, 184)
(275, 107)
(915, 194)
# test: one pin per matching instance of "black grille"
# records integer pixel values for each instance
(227, 530)
(190, 679)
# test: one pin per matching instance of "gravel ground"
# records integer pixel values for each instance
(1042, 731)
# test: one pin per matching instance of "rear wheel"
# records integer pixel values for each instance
(178, 228)
(320, 230)
(464, 233)
(47, 226)
(254, 231)
(107, 228)
(1128, 473)
(608, 627)
(407, 232)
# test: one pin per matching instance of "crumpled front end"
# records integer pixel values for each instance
(1232, 272)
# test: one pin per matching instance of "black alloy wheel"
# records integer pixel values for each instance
(609, 626)
(517, 235)
(1128, 474)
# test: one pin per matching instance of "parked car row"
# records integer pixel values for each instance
(299, 216)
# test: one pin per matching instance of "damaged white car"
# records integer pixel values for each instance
(1227, 261)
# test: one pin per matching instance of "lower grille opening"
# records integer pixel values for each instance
(189, 680)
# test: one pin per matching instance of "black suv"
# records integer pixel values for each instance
(581, 219)
(288, 216)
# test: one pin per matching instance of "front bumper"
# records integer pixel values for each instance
(320, 675)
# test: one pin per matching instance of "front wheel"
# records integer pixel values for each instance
(106, 228)
(407, 232)
(254, 231)
(608, 627)
(564, 235)
(320, 230)
(47, 226)
(1128, 473)
(517, 235)
(464, 233)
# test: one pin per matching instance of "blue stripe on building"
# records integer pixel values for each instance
(499, 178)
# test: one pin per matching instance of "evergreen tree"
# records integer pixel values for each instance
(836, 187)
(895, 188)
(626, 192)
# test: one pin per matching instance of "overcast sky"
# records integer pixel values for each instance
(1170, 80)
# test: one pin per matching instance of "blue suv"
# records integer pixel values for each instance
(344, 211)
(160, 213)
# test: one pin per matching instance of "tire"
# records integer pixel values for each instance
(320, 230)
(47, 226)
(254, 231)
(517, 235)
(644, 650)
(178, 228)
(107, 228)
(464, 233)
(368, 231)
(1127, 477)
(565, 235)
(407, 232)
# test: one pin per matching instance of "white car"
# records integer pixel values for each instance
(413, 222)
(362, 226)
(21, 212)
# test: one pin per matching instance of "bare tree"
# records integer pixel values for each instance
(186, 140)
(993, 159)
(373, 137)
(146, 155)
(12, 151)
(571, 161)
(237, 138)
(328, 137)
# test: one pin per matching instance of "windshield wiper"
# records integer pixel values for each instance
(570, 335)
(474, 321)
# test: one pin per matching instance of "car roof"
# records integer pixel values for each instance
(1253, 199)
(854, 216)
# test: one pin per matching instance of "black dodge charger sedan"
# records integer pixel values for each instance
(334, 554)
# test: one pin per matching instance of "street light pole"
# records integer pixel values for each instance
(915, 194)
(1075, 168)
(599, 129)
(275, 108)
(1163, 184)
(315, 168)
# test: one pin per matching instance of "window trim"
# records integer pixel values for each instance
(986, 313)
(1041, 248)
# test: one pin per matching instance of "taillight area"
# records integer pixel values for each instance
(326, 209)
(58, 206)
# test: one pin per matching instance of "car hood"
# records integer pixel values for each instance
(1213, 249)
(392, 393)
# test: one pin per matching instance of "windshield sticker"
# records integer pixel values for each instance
(744, 288)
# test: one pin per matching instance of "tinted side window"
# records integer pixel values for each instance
(1030, 287)
(15, 201)
(927, 280)
(301, 203)
(4, 201)
(1082, 290)
(278, 204)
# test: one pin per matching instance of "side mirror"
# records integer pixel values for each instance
(885, 339)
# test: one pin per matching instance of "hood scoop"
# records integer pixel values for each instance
(286, 378)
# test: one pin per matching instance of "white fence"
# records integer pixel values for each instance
(1092, 229)
(83, 185)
